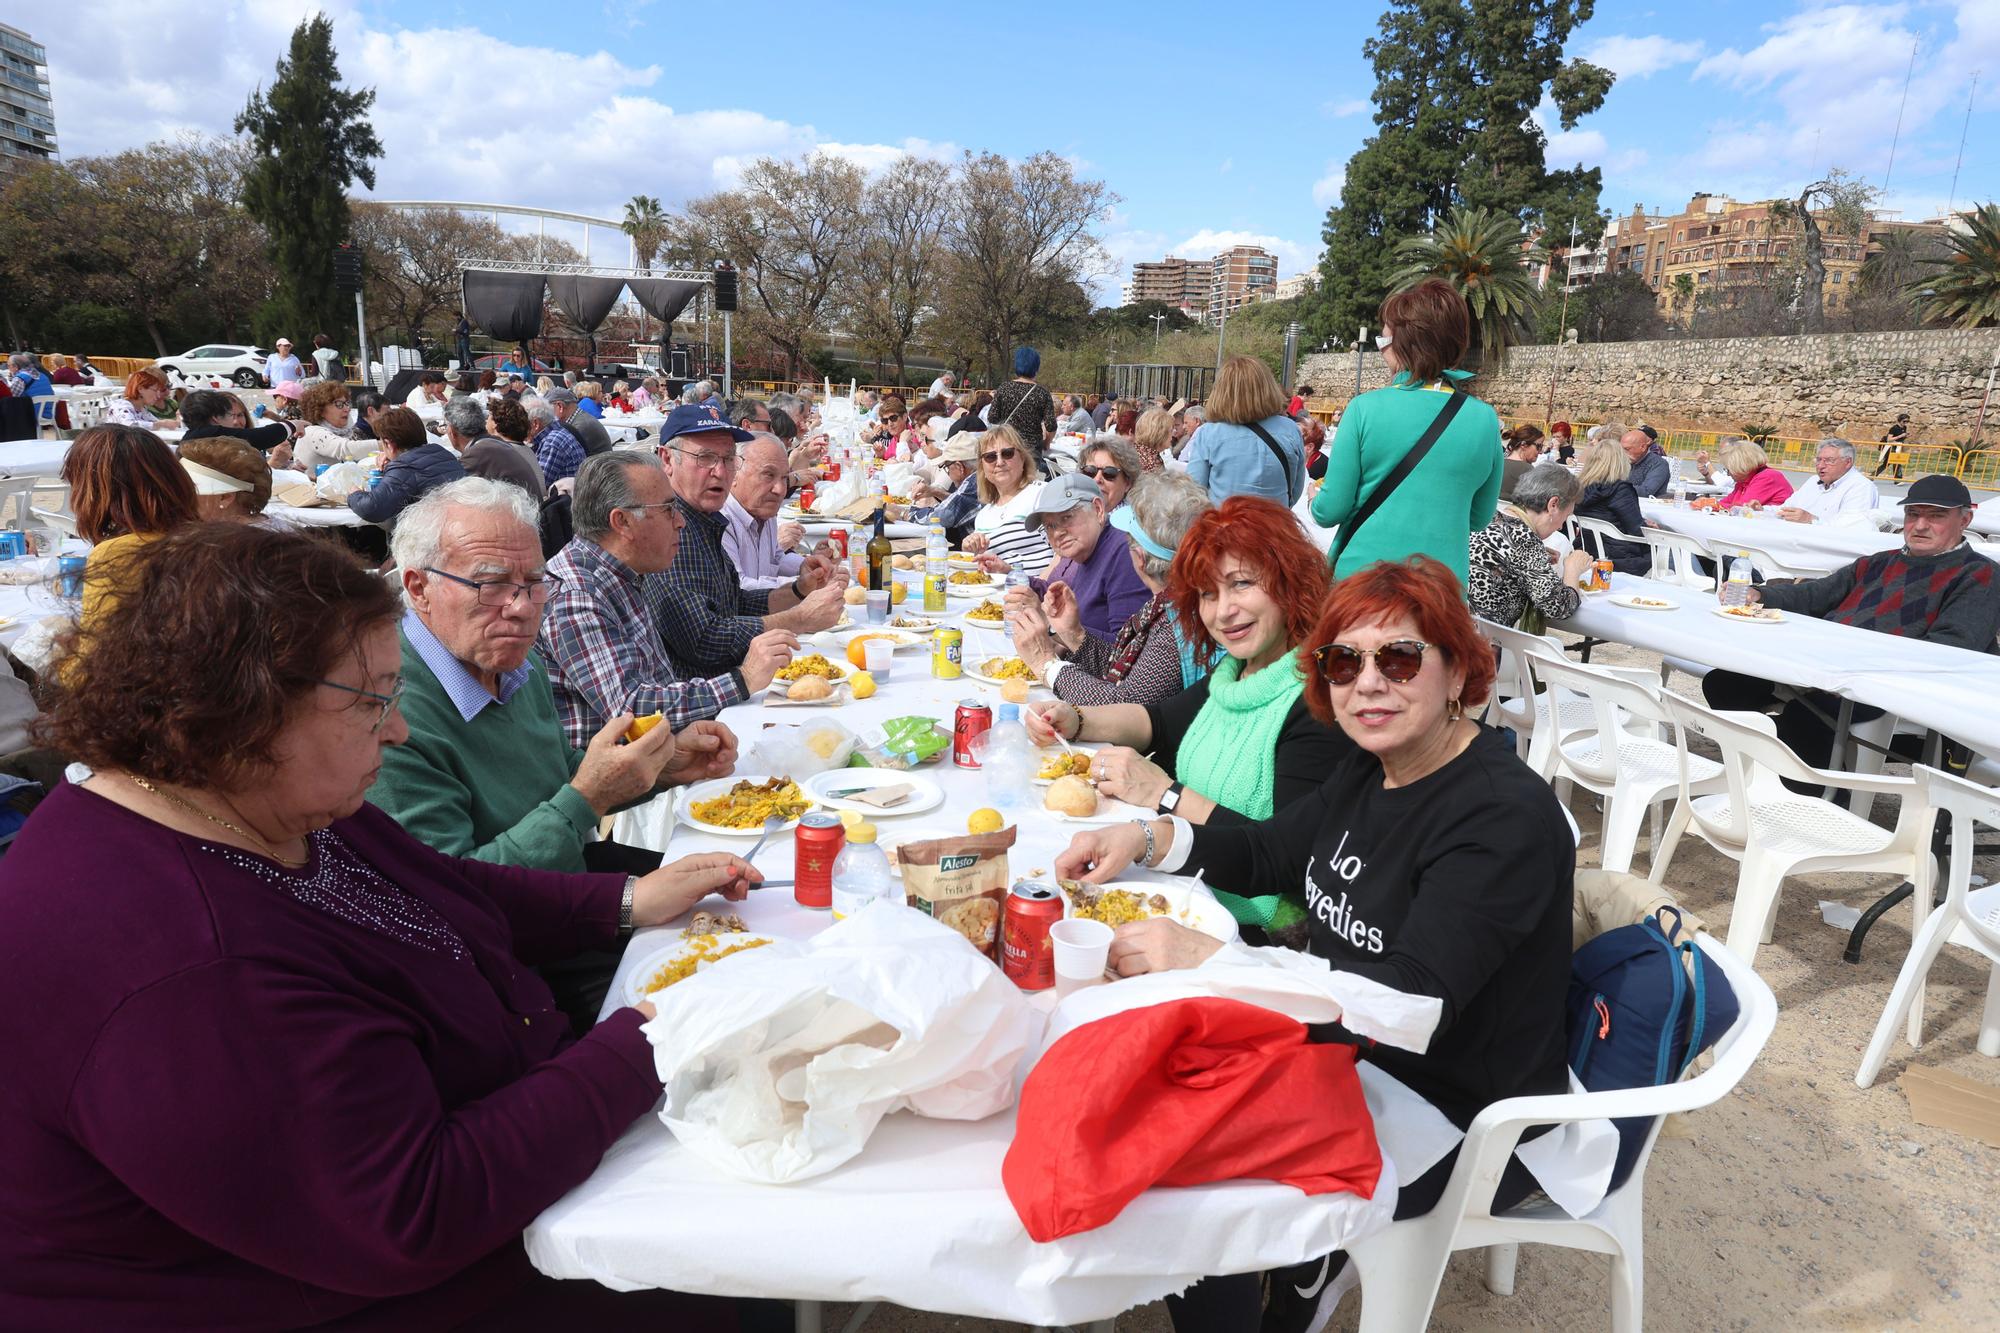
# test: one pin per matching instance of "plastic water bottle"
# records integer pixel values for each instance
(1010, 760)
(861, 873)
(1736, 591)
(937, 567)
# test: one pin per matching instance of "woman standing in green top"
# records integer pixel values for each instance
(1449, 495)
(1239, 745)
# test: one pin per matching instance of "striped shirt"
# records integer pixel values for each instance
(1024, 550)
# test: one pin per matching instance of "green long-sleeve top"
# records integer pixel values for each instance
(493, 788)
(1449, 496)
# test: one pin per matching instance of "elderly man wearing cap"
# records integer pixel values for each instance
(708, 619)
(1093, 572)
(284, 368)
(589, 431)
(556, 447)
(1936, 588)
(958, 459)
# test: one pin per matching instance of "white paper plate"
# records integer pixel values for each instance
(1642, 602)
(1196, 910)
(1770, 618)
(903, 639)
(960, 560)
(658, 958)
(928, 627)
(714, 787)
(1109, 811)
(781, 688)
(993, 587)
(985, 679)
(992, 626)
(927, 795)
(1080, 749)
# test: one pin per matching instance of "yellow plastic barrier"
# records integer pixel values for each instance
(1980, 468)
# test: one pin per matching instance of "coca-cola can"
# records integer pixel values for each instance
(815, 844)
(1026, 955)
(973, 720)
(838, 539)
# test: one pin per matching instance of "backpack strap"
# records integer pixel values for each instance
(1697, 1026)
(1284, 463)
(1406, 465)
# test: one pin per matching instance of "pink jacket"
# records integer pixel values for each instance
(1765, 486)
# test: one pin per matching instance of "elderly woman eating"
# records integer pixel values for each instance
(1431, 860)
(1239, 744)
(1148, 658)
(329, 436)
(145, 389)
(273, 1063)
(1511, 569)
(1749, 467)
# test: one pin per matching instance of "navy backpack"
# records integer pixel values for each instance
(1639, 1015)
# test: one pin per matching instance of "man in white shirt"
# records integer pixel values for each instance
(1839, 488)
(762, 548)
(284, 366)
(942, 386)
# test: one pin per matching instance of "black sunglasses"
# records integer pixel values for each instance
(1000, 455)
(1103, 473)
(1399, 662)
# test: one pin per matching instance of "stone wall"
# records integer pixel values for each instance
(1843, 383)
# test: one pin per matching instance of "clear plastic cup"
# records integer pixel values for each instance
(878, 605)
(1081, 950)
(879, 654)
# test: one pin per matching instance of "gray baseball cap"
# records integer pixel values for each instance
(1071, 491)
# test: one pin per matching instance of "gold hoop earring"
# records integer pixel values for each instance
(1453, 710)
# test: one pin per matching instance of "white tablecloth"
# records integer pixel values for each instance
(32, 458)
(338, 516)
(1950, 690)
(920, 1218)
(625, 426)
(1824, 546)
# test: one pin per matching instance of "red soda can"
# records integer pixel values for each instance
(973, 719)
(815, 844)
(1026, 955)
(838, 537)
(806, 498)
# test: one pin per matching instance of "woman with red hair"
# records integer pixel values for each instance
(145, 389)
(126, 490)
(1432, 860)
(1240, 745)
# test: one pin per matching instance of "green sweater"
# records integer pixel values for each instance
(493, 789)
(1447, 498)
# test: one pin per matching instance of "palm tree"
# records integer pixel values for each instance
(1962, 288)
(646, 223)
(1485, 256)
(1683, 302)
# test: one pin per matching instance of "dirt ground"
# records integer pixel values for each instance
(1798, 1203)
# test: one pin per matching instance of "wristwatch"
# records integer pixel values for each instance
(1171, 799)
(625, 908)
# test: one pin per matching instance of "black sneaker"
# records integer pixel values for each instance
(1302, 1298)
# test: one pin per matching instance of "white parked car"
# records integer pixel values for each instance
(241, 366)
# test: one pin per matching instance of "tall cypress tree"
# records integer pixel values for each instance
(312, 141)
(1455, 81)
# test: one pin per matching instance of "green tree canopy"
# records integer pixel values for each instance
(312, 141)
(1457, 83)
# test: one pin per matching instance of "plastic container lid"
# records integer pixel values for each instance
(860, 831)
(1010, 713)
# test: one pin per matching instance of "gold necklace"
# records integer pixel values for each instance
(237, 829)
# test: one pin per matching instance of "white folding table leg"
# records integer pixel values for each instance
(806, 1317)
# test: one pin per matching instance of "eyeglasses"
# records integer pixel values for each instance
(1000, 456)
(641, 509)
(1383, 340)
(1102, 473)
(706, 461)
(1399, 662)
(389, 700)
(501, 592)
(892, 416)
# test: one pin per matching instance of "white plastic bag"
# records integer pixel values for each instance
(341, 480)
(801, 751)
(779, 1064)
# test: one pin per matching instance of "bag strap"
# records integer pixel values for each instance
(1698, 1025)
(1403, 468)
(1027, 398)
(1284, 463)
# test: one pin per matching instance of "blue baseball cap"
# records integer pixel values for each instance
(699, 419)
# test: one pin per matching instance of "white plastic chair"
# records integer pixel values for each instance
(1597, 530)
(1400, 1267)
(1771, 832)
(1675, 557)
(1526, 707)
(1770, 566)
(1636, 772)
(1969, 917)
(45, 414)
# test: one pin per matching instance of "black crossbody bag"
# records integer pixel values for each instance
(1404, 468)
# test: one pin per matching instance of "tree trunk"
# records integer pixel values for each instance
(153, 332)
(1812, 302)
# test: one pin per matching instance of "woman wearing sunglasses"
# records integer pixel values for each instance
(1010, 479)
(1432, 860)
(1114, 465)
(1240, 744)
(1451, 491)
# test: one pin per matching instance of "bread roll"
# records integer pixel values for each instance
(1015, 691)
(855, 595)
(1071, 796)
(809, 688)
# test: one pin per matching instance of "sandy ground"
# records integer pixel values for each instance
(1798, 1203)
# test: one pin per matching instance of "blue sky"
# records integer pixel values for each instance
(1214, 126)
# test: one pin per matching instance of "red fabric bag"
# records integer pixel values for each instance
(1184, 1093)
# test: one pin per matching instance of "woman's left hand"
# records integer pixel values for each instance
(1158, 945)
(1129, 776)
(677, 886)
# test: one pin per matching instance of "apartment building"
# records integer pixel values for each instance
(1238, 276)
(1182, 283)
(27, 117)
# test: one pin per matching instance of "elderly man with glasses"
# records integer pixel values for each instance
(557, 450)
(708, 619)
(1837, 487)
(766, 552)
(1094, 576)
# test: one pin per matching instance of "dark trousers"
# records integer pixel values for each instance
(1235, 1303)
(580, 983)
(465, 354)
(1806, 723)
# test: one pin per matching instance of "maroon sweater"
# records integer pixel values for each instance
(228, 1105)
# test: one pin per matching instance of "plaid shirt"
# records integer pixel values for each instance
(558, 451)
(707, 617)
(603, 651)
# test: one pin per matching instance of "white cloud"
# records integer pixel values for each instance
(1637, 57)
(1568, 147)
(1326, 190)
(1341, 108)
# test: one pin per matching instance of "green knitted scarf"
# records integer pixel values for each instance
(1228, 756)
